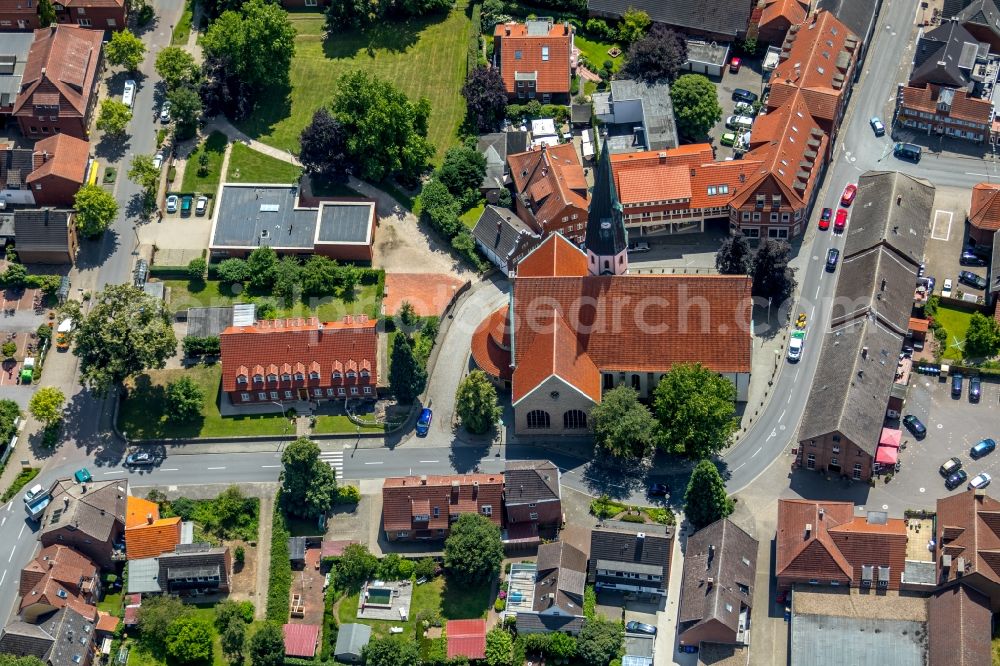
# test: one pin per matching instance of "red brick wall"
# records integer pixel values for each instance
(101, 18)
(823, 448)
(54, 191)
(75, 127)
(549, 513)
(9, 20)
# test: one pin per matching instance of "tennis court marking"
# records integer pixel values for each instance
(936, 228)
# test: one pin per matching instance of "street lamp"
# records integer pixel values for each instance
(282, 406)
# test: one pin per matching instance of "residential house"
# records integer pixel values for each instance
(100, 15)
(62, 638)
(146, 534)
(637, 116)
(19, 15)
(418, 508)
(495, 148)
(248, 216)
(631, 557)
(59, 87)
(47, 175)
(466, 638)
(981, 18)
(824, 543)
(580, 325)
(504, 238)
(550, 190)
(45, 235)
(57, 577)
(531, 499)
(720, 20)
(14, 50)
(968, 536)
(88, 517)
(959, 624)
(984, 213)
(535, 59)
(195, 568)
(351, 641)
(300, 359)
(551, 595)
(856, 373)
(720, 567)
(775, 17)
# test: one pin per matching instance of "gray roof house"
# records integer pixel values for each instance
(722, 20)
(192, 568)
(504, 238)
(63, 638)
(557, 599)
(495, 148)
(45, 236)
(720, 563)
(946, 56)
(351, 641)
(631, 557)
(14, 50)
(630, 105)
(531, 497)
(89, 517)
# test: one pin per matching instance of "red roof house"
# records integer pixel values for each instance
(146, 534)
(57, 577)
(984, 212)
(301, 640)
(59, 170)
(418, 508)
(466, 638)
(300, 359)
(535, 59)
(777, 16)
(550, 190)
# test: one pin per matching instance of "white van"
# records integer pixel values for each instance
(739, 122)
(128, 97)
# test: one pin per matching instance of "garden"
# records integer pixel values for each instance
(204, 165)
(607, 509)
(247, 165)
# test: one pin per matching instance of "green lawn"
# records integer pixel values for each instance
(425, 57)
(182, 30)
(139, 655)
(213, 293)
(453, 602)
(339, 424)
(215, 147)
(111, 603)
(956, 322)
(597, 52)
(143, 412)
(246, 165)
(471, 216)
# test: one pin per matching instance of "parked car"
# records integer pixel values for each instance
(975, 389)
(972, 280)
(201, 206)
(824, 219)
(139, 459)
(950, 466)
(165, 112)
(983, 448)
(956, 479)
(744, 95)
(157, 160)
(186, 205)
(128, 96)
(915, 426)
(840, 223)
(980, 480)
(739, 122)
(832, 256)
(638, 246)
(172, 201)
(743, 109)
(907, 151)
(728, 139)
(640, 628)
(82, 475)
(734, 65)
(956, 385)
(33, 492)
(847, 198)
(658, 489)
(877, 126)
(971, 259)
(795, 343)
(424, 422)
(946, 288)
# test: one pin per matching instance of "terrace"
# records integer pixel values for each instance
(382, 600)
(521, 587)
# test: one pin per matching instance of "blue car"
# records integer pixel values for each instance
(983, 448)
(424, 422)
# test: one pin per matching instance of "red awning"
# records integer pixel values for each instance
(890, 437)
(887, 455)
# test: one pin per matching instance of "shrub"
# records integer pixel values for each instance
(240, 555)
(9, 349)
(280, 576)
(498, 605)
(425, 567)
(348, 494)
(201, 346)
(632, 518)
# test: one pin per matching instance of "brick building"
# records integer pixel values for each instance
(984, 213)
(420, 508)
(775, 17)
(89, 518)
(550, 190)
(535, 59)
(532, 504)
(57, 577)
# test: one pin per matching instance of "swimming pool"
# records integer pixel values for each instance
(379, 596)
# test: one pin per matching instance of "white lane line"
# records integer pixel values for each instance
(213, 468)
(756, 452)
(782, 417)
(736, 468)
(3, 577)
(795, 377)
(169, 469)
(21, 533)
(10, 505)
(430, 461)
(11, 556)
(3, 521)
(789, 401)
(374, 463)
(115, 471)
(984, 175)
(269, 466)
(817, 292)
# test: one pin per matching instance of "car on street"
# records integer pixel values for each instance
(832, 256)
(638, 246)
(907, 151)
(915, 426)
(201, 206)
(840, 223)
(982, 448)
(946, 288)
(847, 198)
(980, 480)
(956, 385)
(157, 160)
(975, 389)
(128, 95)
(970, 279)
(824, 219)
(82, 475)
(734, 65)
(172, 201)
(950, 466)
(165, 112)
(640, 628)
(33, 492)
(971, 259)
(877, 126)
(956, 479)
(658, 489)
(424, 422)
(139, 459)
(186, 202)
(795, 343)
(739, 122)
(728, 139)
(744, 95)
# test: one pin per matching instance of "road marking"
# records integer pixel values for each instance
(3, 577)
(817, 290)
(3, 521)
(115, 471)
(757, 451)
(782, 417)
(935, 231)
(21, 533)
(334, 459)
(737, 468)
(430, 461)
(168, 469)
(795, 377)
(789, 401)
(269, 466)
(374, 463)
(10, 505)
(984, 175)
(214, 468)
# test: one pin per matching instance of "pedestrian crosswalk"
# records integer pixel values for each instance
(334, 459)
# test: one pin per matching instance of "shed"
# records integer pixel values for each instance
(297, 551)
(466, 638)
(301, 640)
(351, 641)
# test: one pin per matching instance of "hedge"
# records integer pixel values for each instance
(473, 55)
(280, 575)
(174, 272)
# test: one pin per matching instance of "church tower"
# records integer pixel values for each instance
(606, 241)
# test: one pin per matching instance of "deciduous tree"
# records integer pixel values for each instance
(176, 67)
(257, 43)
(184, 400)
(47, 405)
(262, 264)
(476, 403)
(233, 269)
(485, 98)
(734, 256)
(600, 641)
(96, 208)
(189, 640)
(308, 485)
(705, 499)
(696, 105)
(982, 339)
(234, 640)
(185, 110)
(323, 142)
(267, 646)
(772, 276)
(473, 550)
(407, 377)
(696, 409)
(388, 651)
(658, 56)
(354, 567)
(499, 647)
(114, 117)
(46, 13)
(633, 26)
(155, 616)
(124, 49)
(623, 427)
(144, 173)
(462, 172)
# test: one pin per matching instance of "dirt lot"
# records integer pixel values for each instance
(402, 245)
(244, 578)
(308, 583)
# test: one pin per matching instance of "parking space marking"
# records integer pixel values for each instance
(936, 230)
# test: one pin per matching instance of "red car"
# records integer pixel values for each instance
(734, 65)
(841, 221)
(824, 219)
(847, 198)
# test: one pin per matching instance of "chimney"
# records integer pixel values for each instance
(710, 581)
(149, 519)
(711, 556)
(423, 479)
(809, 529)
(864, 352)
(507, 30)
(822, 511)
(663, 157)
(640, 536)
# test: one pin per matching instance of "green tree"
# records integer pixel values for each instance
(623, 427)
(658, 56)
(184, 400)
(125, 332)
(705, 499)
(388, 651)
(176, 67)
(125, 50)
(308, 485)
(196, 269)
(233, 270)
(407, 377)
(11, 660)
(114, 117)
(473, 550)
(267, 646)
(155, 616)
(982, 339)
(440, 208)
(734, 256)
(772, 276)
(320, 276)
(228, 611)
(286, 279)
(407, 315)
(96, 208)
(386, 132)
(696, 105)
(696, 409)
(600, 641)
(46, 13)
(499, 647)
(9, 349)
(261, 265)
(15, 275)
(47, 405)
(561, 646)
(185, 110)
(144, 173)
(257, 42)
(633, 26)
(354, 567)
(234, 640)
(462, 172)
(189, 640)
(476, 403)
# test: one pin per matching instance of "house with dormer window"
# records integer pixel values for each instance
(419, 508)
(535, 59)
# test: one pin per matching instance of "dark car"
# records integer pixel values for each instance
(915, 425)
(971, 259)
(658, 489)
(971, 279)
(907, 151)
(186, 202)
(950, 466)
(956, 479)
(956, 385)
(983, 448)
(640, 628)
(424, 422)
(139, 459)
(975, 389)
(832, 256)
(744, 95)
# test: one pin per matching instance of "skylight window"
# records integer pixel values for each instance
(545, 53)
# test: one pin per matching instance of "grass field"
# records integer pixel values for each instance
(340, 424)
(182, 31)
(215, 147)
(246, 165)
(213, 293)
(139, 654)
(956, 322)
(597, 52)
(424, 57)
(471, 216)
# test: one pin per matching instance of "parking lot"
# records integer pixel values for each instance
(749, 78)
(947, 236)
(681, 253)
